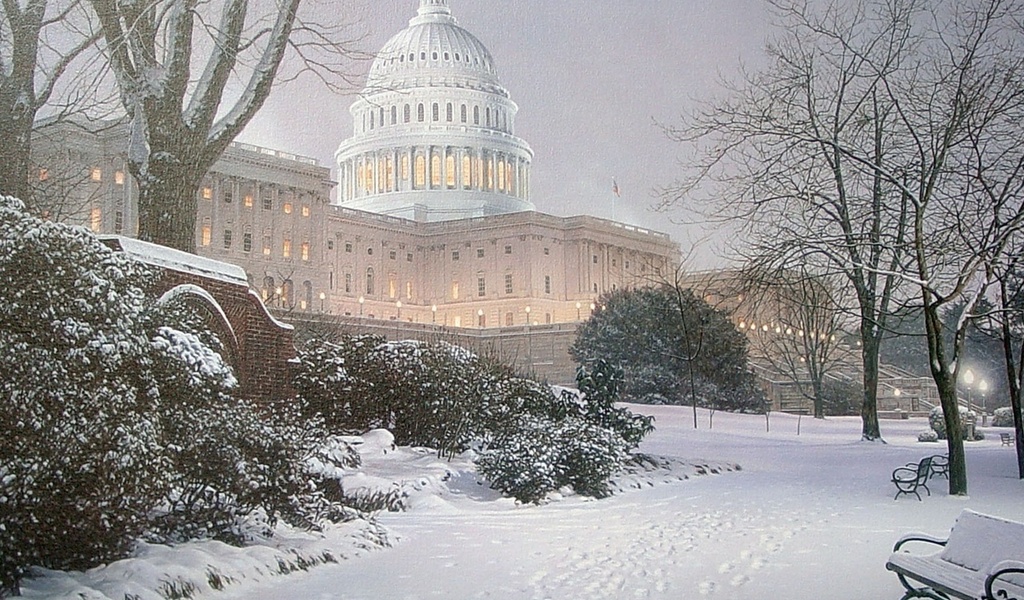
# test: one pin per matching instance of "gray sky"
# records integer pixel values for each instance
(591, 78)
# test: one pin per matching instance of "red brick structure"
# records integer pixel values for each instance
(259, 348)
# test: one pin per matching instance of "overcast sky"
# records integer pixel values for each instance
(592, 79)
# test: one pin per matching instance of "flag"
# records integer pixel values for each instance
(615, 188)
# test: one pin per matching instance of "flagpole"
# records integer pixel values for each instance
(615, 195)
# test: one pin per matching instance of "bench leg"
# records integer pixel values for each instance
(922, 592)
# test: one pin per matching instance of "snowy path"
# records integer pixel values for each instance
(808, 517)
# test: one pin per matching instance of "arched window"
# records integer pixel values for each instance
(449, 165)
(501, 175)
(405, 167)
(307, 296)
(421, 171)
(463, 113)
(488, 116)
(369, 177)
(450, 112)
(394, 115)
(369, 281)
(420, 113)
(408, 113)
(381, 119)
(476, 115)
(490, 174)
(381, 172)
(435, 171)
(467, 171)
(372, 116)
(511, 178)
(390, 179)
(435, 113)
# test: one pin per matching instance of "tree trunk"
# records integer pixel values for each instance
(1013, 375)
(945, 381)
(168, 204)
(15, 137)
(819, 403)
(870, 345)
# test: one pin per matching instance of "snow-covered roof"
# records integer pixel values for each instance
(169, 258)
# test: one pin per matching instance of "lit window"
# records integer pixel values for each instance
(508, 283)
(368, 184)
(248, 201)
(455, 290)
(421, 171)
(247, 241)
(305, 250)
(119, 177)
(206, 233)
(207, 192)
(44, 174)
(266, 245)
(392, 292)
(501, 175)
(490, 174)
(390, 175)
(287, 208)
(227, 238)
(481, 286)
(305, 210)
(458, 320)
(435, 171)
(408, 290)
(405, 167)
(96, 174)
(467, 172)
(450, 175)
(286, 248)
(96, 219)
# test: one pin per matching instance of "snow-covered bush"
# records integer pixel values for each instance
(532, 440)
(937, 421)
(1002, 417)
(81, 459)
(928, 436)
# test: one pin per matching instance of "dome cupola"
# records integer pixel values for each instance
(434, 129)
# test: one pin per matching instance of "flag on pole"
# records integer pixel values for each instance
(615, 188)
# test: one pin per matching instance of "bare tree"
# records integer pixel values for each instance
(770, 157)
(802, 345)
(179, 124)
(39, 41)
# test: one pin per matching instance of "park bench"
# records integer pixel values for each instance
(981, 559)
(1006, 439)
(912, 476)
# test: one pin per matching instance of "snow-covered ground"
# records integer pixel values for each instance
(808, 516)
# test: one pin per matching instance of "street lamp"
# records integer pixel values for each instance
(969, 380)
(527, 309)
(277, 294)
(361, 300)
(433, 314)
(480, 318)
(398, 305)
(578, 311)
(323, 297)
(983, 387)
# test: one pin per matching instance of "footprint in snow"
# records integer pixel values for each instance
(726, 567)
(706, 588)
(738, 580)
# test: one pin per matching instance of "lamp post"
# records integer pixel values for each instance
(323, 297)
(983, 387)
(398, 307)
(433, 314)
(480, 318)
(361, 300)
(969, 381)
(578, 305)
(277, 294)
(527, 309)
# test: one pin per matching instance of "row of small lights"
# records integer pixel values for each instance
(778, 329)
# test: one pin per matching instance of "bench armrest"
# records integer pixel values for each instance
(918, 537)
(1002, 568)
(908, 473)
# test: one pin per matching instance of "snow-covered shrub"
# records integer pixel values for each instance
(600, 388)
(937, 421)
(81, 460)
(1002, 417)
(928, 436)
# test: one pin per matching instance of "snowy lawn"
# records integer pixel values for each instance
(808, 516)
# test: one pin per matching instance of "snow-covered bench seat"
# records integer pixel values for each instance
(983, 558)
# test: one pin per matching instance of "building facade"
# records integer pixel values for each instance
(431, 220)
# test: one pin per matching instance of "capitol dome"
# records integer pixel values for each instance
(434, 129)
